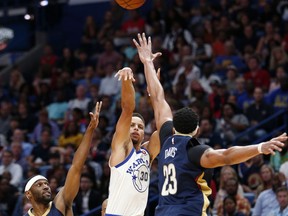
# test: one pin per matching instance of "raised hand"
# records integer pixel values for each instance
(125, 74)
(94, 117)
(144, 48)
(273, 145)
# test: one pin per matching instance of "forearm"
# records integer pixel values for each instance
(127, 96)
(154, 86)
(239, 154)
(83, 149)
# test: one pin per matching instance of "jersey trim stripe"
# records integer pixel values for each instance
(126, 159)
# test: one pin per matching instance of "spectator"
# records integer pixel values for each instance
(260, 77)
(177, 32)
(280, 73)
(231, 75)
(71, 135)
(80, 101)
(109, 85)
(267, 199)
(208, 136)
(108, 57)
(5, 116)
(242, 204)
(232, 123)
(266, 174)
(284, 169)
(279, 158)
(87, 197)
(226, 173)
(89, 40)
(230, 207)
(229, 57)
(249, 173)
(278, 58)
(44, 123)
(202, 52)
(27, 119)
(18, 136)
(57, 109)
(19, 157)
(40, 152)
(7, 199)
(282, 198)
(66, 62)
(257, 112)
(279, 97)
(7, 164)
(271, 36)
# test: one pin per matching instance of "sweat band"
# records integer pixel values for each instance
(33, 180)
(260, 148)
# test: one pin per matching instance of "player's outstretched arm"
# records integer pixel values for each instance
(121, 140)
(66, 195)
(162, 111)
(238, 154)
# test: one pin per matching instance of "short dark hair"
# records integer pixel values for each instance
(185, 120)
(139, 116)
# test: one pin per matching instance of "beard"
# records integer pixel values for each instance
(44, 199)
(135, 141)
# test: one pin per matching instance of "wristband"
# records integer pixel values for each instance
(260, 148)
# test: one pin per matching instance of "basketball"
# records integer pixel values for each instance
(130, 4)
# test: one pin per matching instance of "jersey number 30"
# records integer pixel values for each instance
(170, 183)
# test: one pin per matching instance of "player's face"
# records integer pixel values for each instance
(41, 191)
(137, 130)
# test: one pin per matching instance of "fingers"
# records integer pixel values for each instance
(125, 74)
(140, 39)
(136, 43)
(98, 107)
(144, 38)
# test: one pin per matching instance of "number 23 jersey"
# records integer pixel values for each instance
(129, 184)
(183, 183)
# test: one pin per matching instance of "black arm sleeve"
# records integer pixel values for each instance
(165, 131)
(195, 153)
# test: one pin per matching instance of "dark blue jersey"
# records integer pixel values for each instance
(52, 211)
(183, 183)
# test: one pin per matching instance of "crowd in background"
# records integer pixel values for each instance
(226, 59)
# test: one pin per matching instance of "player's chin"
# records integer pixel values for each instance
(135, 141)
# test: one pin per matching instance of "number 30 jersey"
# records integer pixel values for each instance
(183, 183)
(129, 182)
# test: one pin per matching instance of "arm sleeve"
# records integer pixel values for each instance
(195, 153)
(165, 131)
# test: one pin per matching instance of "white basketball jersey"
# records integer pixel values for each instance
(129, 185)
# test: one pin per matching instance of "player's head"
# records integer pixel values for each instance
(186, 121)
(137, 128)
(37, 189)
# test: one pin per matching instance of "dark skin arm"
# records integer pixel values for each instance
(64, 199)
(238, 154)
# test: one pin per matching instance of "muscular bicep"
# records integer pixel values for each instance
(213, 158)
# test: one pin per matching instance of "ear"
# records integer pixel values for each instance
(28, 195)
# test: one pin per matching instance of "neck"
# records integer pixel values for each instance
(39, 209)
